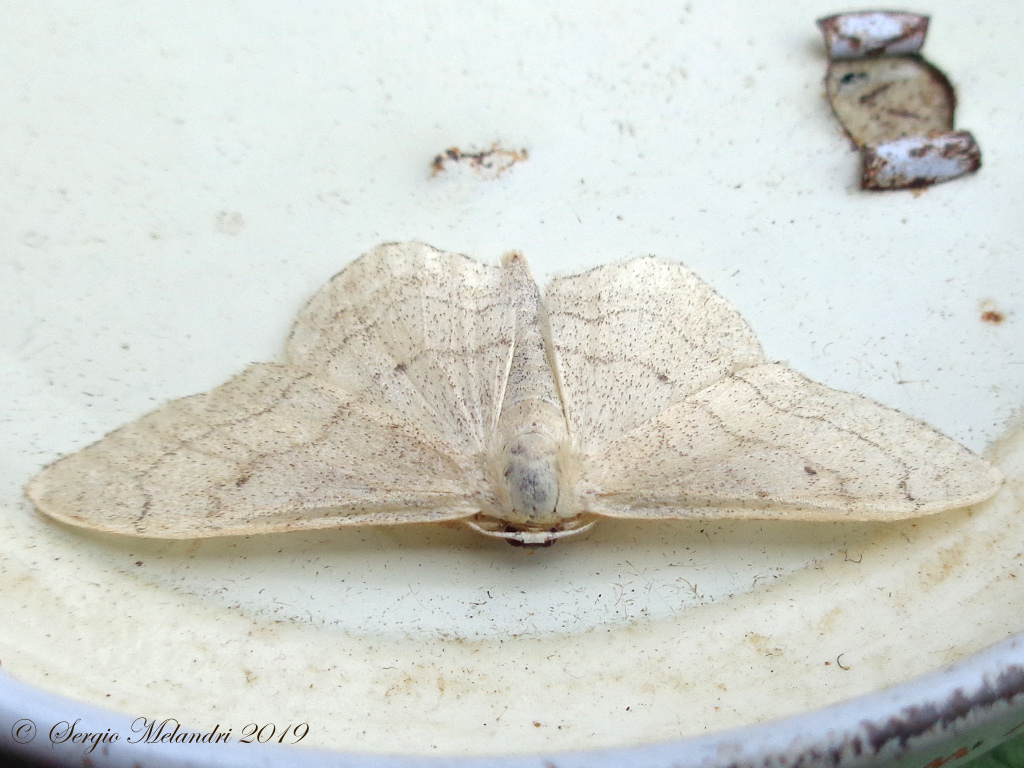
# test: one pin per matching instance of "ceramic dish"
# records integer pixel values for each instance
(178, 183)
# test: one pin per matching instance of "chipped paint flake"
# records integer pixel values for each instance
(896, 107)
(919, 161)
(873, 33)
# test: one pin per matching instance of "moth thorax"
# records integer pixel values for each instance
(531, 476)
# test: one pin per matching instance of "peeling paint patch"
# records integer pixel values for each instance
(882, 99)
(487, 163)
(919, 161)
(873, 33)
(896, 107)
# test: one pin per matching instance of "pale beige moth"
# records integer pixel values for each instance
(422, 386)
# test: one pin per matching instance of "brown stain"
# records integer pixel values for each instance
(949, 561)
(229, 222)
(764, 645)
(828, 622)
(991, 313)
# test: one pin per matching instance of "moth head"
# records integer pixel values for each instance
(529, 537)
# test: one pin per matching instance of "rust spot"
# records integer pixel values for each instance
(941, 761)
(991, 313)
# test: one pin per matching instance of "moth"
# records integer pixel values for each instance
(420, 386)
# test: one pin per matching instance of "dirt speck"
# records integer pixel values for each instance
(229, 222)
(487, 163)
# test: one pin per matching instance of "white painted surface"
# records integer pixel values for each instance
(177, 181)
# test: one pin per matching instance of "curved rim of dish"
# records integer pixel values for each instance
(982, 692)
